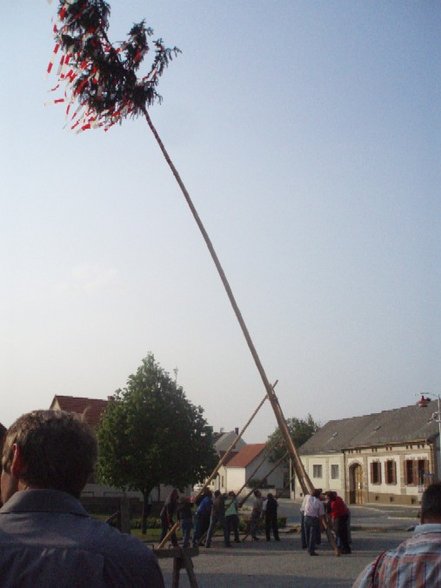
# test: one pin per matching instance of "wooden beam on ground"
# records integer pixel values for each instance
(181, 560)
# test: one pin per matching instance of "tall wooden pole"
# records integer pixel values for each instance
(304, 480)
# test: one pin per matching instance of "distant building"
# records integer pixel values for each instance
(252, 458)
(387, 457)
(223, 441)
(91, 408)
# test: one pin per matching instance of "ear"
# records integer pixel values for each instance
(17, 464)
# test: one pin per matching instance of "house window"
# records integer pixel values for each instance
(415, 470)
(317, 471)
(334, 472)
(390, 470)
(375, 472)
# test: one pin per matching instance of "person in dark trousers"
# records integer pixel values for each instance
(185, 518)
(202, 517)
(218, 518)
(339, 514)
(314, 516)
(256, 514)
(167, 516)
(270, 509)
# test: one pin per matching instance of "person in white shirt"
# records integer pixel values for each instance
(314, 514)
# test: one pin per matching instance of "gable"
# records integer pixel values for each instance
(91, 408)
(246, 455)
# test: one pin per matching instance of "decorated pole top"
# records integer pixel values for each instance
(100, 81)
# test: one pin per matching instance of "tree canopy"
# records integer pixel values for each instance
(152, 434)
(300, 430)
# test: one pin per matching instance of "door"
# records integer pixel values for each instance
(356, 484)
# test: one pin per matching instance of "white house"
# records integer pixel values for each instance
(386, 457)
(242, 466)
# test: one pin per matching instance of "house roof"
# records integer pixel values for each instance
(223, 441)
(400, 425)
(91, 408)
(246, 455)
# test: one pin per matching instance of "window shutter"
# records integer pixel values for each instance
(415, 471)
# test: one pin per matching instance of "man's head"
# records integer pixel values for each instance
(47, 449)
(431, 504)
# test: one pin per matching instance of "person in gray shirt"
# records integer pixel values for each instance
(46, 537)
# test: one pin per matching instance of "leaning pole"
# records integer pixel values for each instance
(299, 468)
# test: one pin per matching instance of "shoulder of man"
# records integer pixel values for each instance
(128, 553)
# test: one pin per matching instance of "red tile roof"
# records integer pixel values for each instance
(246, 455)
(92, 408)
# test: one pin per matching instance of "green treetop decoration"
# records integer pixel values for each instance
(100, 80)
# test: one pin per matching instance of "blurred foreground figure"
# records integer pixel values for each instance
(415, 563)
(46, 537)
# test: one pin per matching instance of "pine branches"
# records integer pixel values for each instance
(100, 79)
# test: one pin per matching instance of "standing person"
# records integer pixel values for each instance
(416, 562)
(270, 509)
(167, 515)
(46, 537)
(314, 515)
(232, 516)
(185, 518)
(256, 514)
(218, 517)
(202, 517)
(302, 521)
(339, 513)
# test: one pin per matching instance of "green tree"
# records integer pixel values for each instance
(152, 434)
(300, 430)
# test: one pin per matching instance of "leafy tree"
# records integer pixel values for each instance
(300, 430)
(151, 434)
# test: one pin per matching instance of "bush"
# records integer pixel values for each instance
(152, 523)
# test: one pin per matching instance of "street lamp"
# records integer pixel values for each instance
(423, 402)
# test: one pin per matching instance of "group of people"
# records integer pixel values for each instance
(216, 510)
(319, 510)
(48, 539)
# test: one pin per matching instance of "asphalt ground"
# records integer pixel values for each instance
(281, 564)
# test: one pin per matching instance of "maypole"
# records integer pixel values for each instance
(101, 88)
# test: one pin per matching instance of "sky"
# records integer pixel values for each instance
(308, 135)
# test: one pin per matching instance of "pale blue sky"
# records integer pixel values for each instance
(308, 134)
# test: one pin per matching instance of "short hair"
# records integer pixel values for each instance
(59, 450)
(431, 501)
